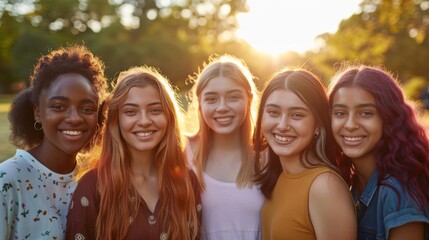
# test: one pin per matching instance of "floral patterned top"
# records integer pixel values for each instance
(34, 200)
(145, 225)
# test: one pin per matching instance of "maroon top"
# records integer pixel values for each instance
(84, 209)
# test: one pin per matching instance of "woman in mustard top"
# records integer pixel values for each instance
(306, 198)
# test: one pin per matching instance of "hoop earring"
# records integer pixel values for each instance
(37, 125)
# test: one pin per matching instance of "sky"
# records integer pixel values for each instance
(275, 26)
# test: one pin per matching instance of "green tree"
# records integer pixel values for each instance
(175, 36)
(389, 33)
(9, 31)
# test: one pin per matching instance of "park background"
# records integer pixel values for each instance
(177, 36)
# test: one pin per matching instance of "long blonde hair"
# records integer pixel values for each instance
(235, 69)
(119, 198)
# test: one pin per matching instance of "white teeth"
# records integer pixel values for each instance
(224, 119)
(283, 139)
(144, 134)
(353, 139)
(74, 133)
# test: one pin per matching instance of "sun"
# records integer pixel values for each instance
(276, 26)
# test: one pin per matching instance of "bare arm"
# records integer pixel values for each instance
(331, 208)
(412, 230)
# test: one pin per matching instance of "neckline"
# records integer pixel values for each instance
(44, 171)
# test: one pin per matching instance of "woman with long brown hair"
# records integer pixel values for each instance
(300, 180)
(142, 187)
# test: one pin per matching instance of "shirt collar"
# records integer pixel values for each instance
(369, 191)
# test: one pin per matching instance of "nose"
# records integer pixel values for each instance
(351, 123)
(74, 116)
(144, 119)
(283, 124)
(223, 106)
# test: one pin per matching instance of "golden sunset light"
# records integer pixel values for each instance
(275, 26)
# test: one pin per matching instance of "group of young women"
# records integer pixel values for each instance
(298, 161)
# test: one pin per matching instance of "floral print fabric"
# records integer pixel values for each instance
(34, 200)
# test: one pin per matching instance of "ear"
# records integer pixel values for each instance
(317, 132)
(36, 113)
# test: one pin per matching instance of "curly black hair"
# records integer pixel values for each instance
(72, 59)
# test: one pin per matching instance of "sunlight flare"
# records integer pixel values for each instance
(276, 26)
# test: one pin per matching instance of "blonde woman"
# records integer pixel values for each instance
(221, 150)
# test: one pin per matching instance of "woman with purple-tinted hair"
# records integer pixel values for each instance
(386, 151)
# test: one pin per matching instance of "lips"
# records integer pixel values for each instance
(72, 132)
(223, 120)
(144, 133)
(283, 139)
(353, 140)
(73, 135)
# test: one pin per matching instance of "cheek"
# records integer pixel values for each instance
(161, 121)
(266, 124)
(241, 106)
(377, 129)
(93, 120)
(206, 111)
(335, 124)
(123, 123)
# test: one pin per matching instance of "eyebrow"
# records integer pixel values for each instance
(62, 98)
(228, 92)
(292, 108)
(136, 105)
(363, 105)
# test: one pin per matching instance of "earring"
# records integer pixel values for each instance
(37, 125)
(316, 134)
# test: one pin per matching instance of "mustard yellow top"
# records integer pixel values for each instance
(286, 214)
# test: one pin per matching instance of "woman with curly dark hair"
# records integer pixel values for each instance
(52, 121)
(386, 152)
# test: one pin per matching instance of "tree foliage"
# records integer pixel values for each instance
(389, 33)
(177, 36)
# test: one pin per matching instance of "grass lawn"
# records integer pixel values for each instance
(6, 149)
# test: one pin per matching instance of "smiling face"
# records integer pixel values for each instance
(356, 123)
(142, 120)
(68, 112)
(287, 124)
(224, 105)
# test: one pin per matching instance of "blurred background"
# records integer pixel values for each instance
(177, 36)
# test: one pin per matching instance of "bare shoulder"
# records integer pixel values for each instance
(328, 185)
(329, 192)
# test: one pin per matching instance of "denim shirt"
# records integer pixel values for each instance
(380, 209)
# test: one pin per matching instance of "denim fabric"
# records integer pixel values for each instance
(381, 208)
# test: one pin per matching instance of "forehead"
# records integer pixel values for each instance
(353, 96)
(285, 99)
(221, 84)
(71, 85)
(142, 95)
